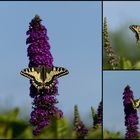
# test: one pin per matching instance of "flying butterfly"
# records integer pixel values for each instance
(136, 103)
(136, 30)
(44, 78)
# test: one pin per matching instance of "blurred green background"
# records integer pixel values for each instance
(124, 44)
(12, 126)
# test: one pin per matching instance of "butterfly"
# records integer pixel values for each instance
(44, 78)
(136, 30)
(136, 103)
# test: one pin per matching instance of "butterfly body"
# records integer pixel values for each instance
(136, 30)
(44, 77)
(136, 103)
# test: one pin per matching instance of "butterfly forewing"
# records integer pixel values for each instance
(32, 74)
(55, 72)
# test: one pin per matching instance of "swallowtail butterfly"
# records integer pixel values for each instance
(136, 30)
(44, 77)
(136, 103)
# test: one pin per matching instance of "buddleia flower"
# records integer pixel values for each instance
(113, 59)
(39, 54)
(79, 127)
(99, 114)
(131, 117)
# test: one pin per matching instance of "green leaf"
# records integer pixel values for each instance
(125, 63)
(95, 133)
(58, 129)
(112, 135)
(94, 117)
(137, 65)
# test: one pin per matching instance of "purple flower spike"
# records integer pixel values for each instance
(38, 50)
(79, 127)
(99, 114)
(131, 117)
(39, 54)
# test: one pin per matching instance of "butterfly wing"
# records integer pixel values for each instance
(34, 75)
(136, 103)
(136, 30)
(52, 74)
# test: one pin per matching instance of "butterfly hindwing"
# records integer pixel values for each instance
(136, 30)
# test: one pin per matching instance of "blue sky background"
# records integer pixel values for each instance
(119, 14)
(74, 29)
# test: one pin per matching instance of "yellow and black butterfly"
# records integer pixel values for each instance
(136, 30)
(135, 103)
(44, 78)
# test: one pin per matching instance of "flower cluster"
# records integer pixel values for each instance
(99, 113)
(131, 117)
(39, 54)
(79, 127)
(113, 59)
